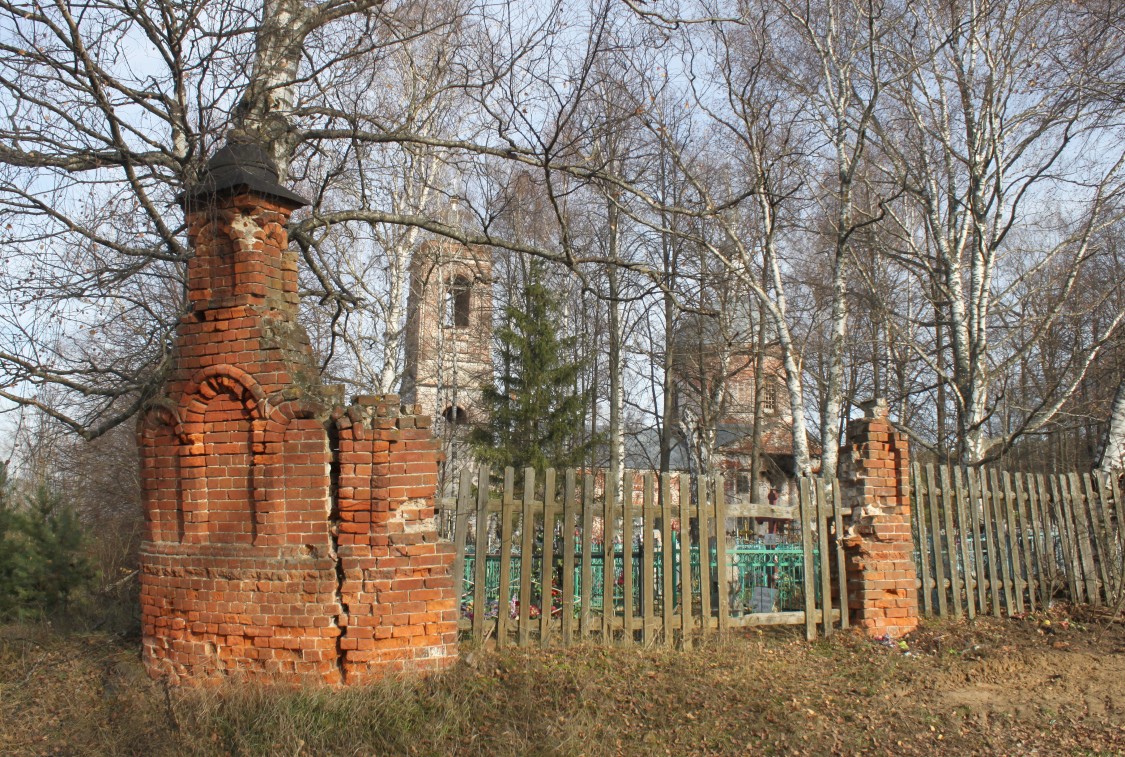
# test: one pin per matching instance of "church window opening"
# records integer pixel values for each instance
(743, 393)
(457, 303)
(454, 415)
(769, 397)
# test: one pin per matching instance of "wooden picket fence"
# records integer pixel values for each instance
(671, 572)
(987, 541)
(990, 541)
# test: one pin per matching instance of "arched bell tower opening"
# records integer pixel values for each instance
(454, 416)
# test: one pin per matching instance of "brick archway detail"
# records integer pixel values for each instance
(216, 379)
(222, 454)
(162, 416)
(161, 439)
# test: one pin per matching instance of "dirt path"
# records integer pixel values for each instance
(1033, 685)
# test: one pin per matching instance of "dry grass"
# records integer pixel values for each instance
(995, 687)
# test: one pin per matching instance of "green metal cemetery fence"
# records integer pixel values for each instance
(769, 579)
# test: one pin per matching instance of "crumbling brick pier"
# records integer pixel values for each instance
(289, 538)
(874, 476)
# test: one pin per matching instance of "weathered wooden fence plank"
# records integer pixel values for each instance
(722, 568)
(703, 498)
(1052, 527)
(570, 496)
(841, 557)
(1012, 529)
(976, 520)
(586, 619)
(461, 515)
(969, 489)
(1030, 507)
(648, 564)
(480, 554)
(609, 518)
(1113, 531)
(921, 534)
(950, 541)
(685, 562)
(527, 536)
(933, 505)
(1098, 536)
(1060, 558)
(964, 528)
(1047, 544)
(547, 567)
(807, 508)
(787, 618)
(988, 550)
(507, 514)
(1023, 529)
(820, 517)
(1072, 562)
(627, 556)
(1082, 530)
(668, 583)
(1111, 514)
(1003, 557)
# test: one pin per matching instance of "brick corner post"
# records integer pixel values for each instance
(874, 476)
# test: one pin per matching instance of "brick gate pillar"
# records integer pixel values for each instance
(288, 538)
(874, 480)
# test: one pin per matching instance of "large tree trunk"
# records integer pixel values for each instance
(756, 428)
(263, 114)
(616, 388)
(667, 427)
(831, 409)
(1113, 446)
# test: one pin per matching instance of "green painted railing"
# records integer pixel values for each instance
(759, 578)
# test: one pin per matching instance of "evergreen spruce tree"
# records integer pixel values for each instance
(55, 565)
(535, 416)
(42, 561)
(9, 548)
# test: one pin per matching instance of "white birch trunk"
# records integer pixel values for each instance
(1113, 447)
(616, 384)
(265, 109)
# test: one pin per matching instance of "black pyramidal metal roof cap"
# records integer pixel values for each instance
(241, 164)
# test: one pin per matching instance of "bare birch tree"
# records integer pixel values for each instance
(1013, 173)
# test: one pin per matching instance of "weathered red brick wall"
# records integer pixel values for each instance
(263, 557)
(397, 586)
(874, 478)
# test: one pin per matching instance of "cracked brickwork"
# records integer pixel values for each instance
(874, 475)
(288, 538)
(396, 575)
